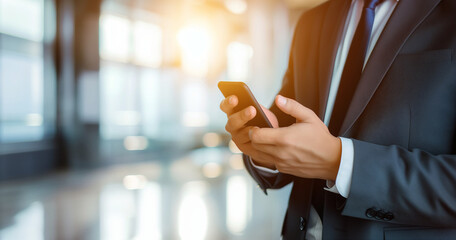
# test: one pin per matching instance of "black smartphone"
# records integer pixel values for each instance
(245, 99)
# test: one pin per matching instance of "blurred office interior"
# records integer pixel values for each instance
(110, 125)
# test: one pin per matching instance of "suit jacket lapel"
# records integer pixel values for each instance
(331, 33)
(404, 20)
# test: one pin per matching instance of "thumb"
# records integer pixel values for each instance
(295, 109)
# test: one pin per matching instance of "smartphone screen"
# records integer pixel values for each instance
(246, 98)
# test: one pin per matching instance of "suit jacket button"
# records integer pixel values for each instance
(302, 223)
(388, 216)
(371, 213)
(380, 215)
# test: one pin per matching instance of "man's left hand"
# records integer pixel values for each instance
(305, 149)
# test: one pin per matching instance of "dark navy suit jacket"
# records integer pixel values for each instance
(402, 121)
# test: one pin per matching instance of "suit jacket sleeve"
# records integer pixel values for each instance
(416, 187)
(280, 179)
(284, 120)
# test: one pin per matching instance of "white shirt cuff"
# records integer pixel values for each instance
(344, 175)
(267, 172)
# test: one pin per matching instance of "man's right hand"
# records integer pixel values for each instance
(240, 132)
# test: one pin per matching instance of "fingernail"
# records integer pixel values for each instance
(231, 100)
(281, 100)
(247, 112)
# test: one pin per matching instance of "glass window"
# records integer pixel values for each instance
(150, 102)
(21, 109)
(22, 18)
(147, 43)
(130, 75)
(129, 100)
(195, 42)
(158, 76)
(194, 104)
(25, 101)
(120, 114)
(238, 61)
(114, 38)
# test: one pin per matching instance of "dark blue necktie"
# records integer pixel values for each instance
(353, 66)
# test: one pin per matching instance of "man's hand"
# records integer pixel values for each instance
(240, 133)
(305, 149)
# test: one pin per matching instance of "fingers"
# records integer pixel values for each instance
(295, 109)
(239, 119)
(228, 104)
(271, 150)
(266, 135)
(260, 157)
(242, 136)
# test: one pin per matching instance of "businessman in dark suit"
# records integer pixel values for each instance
(388, 156)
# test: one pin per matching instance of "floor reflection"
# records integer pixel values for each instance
(193, 214)
(27, 224)
(130, 213)
(238, 204)
(204, 195)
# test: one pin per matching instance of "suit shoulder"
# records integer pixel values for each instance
(314, 14)
(312, 18)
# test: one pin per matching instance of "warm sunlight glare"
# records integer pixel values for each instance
(236, 6)
(238, 60)
(195, 42)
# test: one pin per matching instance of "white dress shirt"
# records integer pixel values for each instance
(344, 176)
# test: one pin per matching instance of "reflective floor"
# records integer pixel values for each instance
(204, 195)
